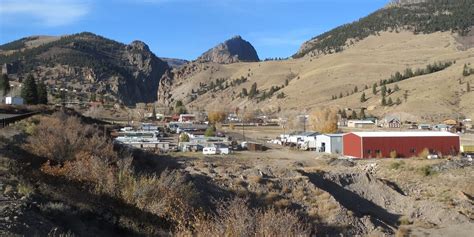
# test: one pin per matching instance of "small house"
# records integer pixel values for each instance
(392, 122)
(329, 143)
(186, 118)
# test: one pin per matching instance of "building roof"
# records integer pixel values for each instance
(333, 135)
(405, 134)
(361, 121)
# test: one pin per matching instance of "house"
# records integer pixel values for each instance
(405, 144)
(451, 122)
(329, 143)
(216, 148)
(467, 123)
(360, 124)
(392, 122)
(13, 100)
(186, 118)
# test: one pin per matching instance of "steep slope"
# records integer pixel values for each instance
(233, 50)
(417, 16)
(312, 82)
(89, 64)
(174, 62)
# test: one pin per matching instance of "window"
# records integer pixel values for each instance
(369, 151)
(413, 150)
(378, 151)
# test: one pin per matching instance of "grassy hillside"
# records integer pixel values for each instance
(313, 81)
(426, 18)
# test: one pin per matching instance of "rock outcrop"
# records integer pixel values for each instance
(91, 65)
(233, 50)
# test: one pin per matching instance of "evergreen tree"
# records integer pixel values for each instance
(253, 90)
(366, 87)
(384, 101)
(244, 92)
(408, 73)
(343, 113)
(399, 101)
(286, 82)
(390, 102)
(340, 95)
(468, 87)
(29, 90)
(4, 84)
(362, 114)
(384, 90)
(354, 115)
(362, 98)
(42, 93)
(356, 89)
(374, 89)
(465, 71)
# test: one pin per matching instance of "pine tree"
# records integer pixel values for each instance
(384, 102)
(244, 92)
(42, 93)
(29, 91)
(362, 98)
(384, 90)
(4, 84)
(366, 87)
(399, 101)
(374, 89)
(253, 90)
(405, 95)
(340, 95)
(343, 113)
(465, 71)
(408, 73)
(286, 82)
(354, 115)
(390, 102)
(356, 89)
(468, 87)
(362, 114)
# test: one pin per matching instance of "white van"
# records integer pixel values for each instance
(209, 151)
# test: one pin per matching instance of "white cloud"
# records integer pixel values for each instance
(44, 12)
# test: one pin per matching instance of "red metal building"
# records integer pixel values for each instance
(406, 144)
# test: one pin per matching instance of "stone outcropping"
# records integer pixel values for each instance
(233, 50)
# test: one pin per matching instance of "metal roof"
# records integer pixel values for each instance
(361, 121)
(333, 135)
(405, 134)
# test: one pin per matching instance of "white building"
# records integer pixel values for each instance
(329, 143)
(13, 100)
(360, 124)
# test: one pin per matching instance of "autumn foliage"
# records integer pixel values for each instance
(216, 116)
(324, 120)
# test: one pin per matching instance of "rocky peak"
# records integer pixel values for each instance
(232, 50)
(139, 45)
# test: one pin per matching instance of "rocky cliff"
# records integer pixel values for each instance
(233, 50)
(90, 65)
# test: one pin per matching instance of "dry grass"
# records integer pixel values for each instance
(402, 232)
(235, 218)
(25, 189)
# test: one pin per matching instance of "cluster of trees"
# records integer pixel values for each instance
(353, 115)
(467, 71)
(34, 93)
(179, 108)
(275, 59)
(355, 90)
(261, 96)
(409, 73)
(429, 17)
(85, 50)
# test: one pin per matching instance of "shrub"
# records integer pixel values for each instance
(393, 154)
(25, 189)
(427, 170)
(396, 165)
(235, 218)
(424, 153)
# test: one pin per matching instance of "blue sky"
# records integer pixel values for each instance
(184, 28)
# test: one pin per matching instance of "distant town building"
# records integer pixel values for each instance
(13, 100)
(360, 124)
(329, 143)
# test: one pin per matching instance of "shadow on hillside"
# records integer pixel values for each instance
(354, 202)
